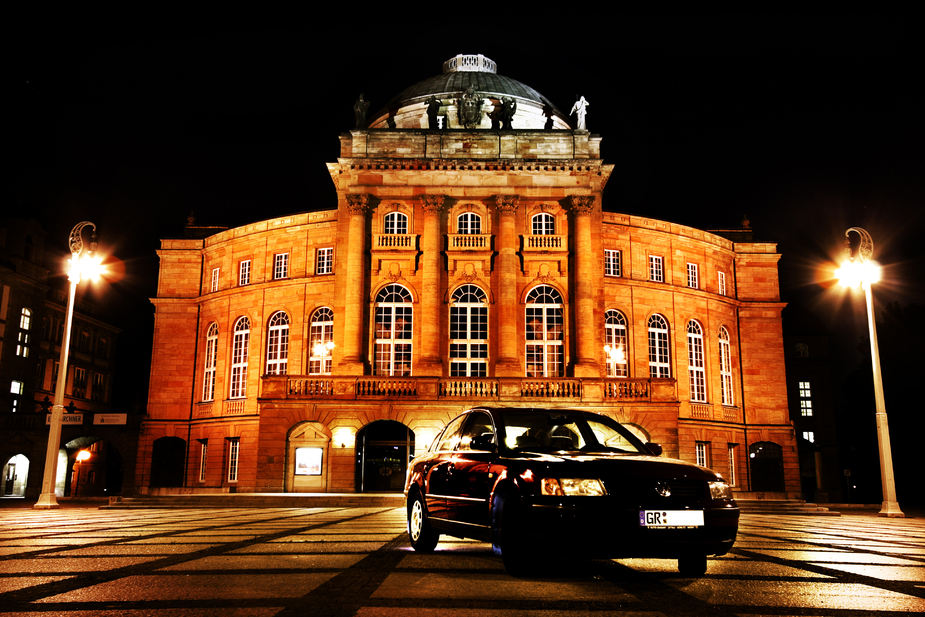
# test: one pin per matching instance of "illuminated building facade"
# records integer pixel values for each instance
(469, 263)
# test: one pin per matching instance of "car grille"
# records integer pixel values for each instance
(644, 492)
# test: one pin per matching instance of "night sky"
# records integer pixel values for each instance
(805, 124)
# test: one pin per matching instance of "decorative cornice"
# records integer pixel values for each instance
(360, 203)
(432, 203)
(507, 204)
(581, 204)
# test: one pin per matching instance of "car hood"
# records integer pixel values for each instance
(609, 463)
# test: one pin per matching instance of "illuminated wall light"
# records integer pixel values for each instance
(343, 437)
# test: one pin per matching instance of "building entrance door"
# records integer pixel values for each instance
(383, 450)
(767, 466)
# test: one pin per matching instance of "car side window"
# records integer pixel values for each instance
(451, 435)
(478, 425)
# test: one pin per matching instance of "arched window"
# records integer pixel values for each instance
(321, 339)
(395, 223)
(695, 368)
(725, 367)
(543, 224)
(208, 373)
(240, 342)
(544, 332)
(25, 333)
(393, 331)
(278, 343)
(615, 351)
(469, 223)
(469, 332)
(659, 359)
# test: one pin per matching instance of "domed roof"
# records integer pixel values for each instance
(409, 108)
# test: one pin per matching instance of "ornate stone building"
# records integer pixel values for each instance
(469, 263)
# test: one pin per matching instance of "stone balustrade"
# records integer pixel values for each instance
(468, 242)
(545, 243)
(395, 241)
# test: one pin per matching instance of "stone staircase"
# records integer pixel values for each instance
(259, 500)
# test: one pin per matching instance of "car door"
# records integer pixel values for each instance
(470, 473)
(437, 478)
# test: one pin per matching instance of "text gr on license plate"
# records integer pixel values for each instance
(671, 518)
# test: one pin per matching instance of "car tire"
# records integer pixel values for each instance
(692, 564)
(422, 535)
(508, 535)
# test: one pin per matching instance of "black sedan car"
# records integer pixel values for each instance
(542, 482)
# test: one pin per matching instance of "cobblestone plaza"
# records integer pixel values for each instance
(356, 561)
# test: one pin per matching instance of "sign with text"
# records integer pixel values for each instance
(67, 418)
(110, 418)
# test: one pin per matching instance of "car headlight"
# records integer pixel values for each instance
(583, 487)
(720, 490)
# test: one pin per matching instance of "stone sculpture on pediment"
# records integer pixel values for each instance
(469, 108)
(507, 203)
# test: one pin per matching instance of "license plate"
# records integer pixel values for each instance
(671, 518)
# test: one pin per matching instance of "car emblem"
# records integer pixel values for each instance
(663, 489)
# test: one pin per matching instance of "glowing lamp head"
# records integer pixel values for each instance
(83, 455)
(854, 273)
(321, 349)
(615, 353)
(85, 266)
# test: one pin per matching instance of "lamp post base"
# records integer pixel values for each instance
(890, 509)
(46, 501)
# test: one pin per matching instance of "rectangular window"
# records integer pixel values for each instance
(16, 389)
(79, 386)
(731, 452)
(702, 450)
(98, 389)
(809, 436)
(613, 263)
(324, 260)
(806, 399)
(214, 284)
(233, 446)
(244, 272)
(656, 269)
(721, 282)
(281, 266)
(693, 280)
(203, 451)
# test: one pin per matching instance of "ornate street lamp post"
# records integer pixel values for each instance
(82, 265)
(861, 269)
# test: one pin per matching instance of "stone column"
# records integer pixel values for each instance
(588, 337)
(508, 363)
(429, 361)
(353, 353)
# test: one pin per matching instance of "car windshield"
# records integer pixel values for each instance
(540, 430)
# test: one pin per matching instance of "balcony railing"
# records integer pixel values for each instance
(545, 243)
(496, 389)
(395, 241)
(468, 242)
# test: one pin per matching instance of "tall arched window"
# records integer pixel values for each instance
(469, 332)
(659, 359)
(469, 223)
(25, 333)
(208, 373)
(393, 331)
(725, 367)
(240, 343)
(695, 368)
(395, 223)
(278, 343)
(321, 340)
(615, 351)
(544, 333)
(543, 224)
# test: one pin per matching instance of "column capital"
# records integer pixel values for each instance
(360, 203)
(507, 204)
(581, 204)
(432, 203)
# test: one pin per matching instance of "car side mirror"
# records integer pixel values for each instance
(654, 448)
(485, 441)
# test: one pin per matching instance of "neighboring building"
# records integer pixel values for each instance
(463, 265)
(32, 311)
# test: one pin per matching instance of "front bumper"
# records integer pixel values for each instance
(603, 528)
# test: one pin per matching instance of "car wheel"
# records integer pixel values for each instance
(423, 537)
(692, 564)
(508, 536)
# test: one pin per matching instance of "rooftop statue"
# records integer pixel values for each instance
(433, 110)
(469, 108)
(580, 110)
(359, 112)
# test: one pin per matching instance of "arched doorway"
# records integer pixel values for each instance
(307, 458)
(383, 449)
(767, 466)
(168, 459)
(15, 475)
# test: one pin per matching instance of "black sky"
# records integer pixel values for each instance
(807, 124)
